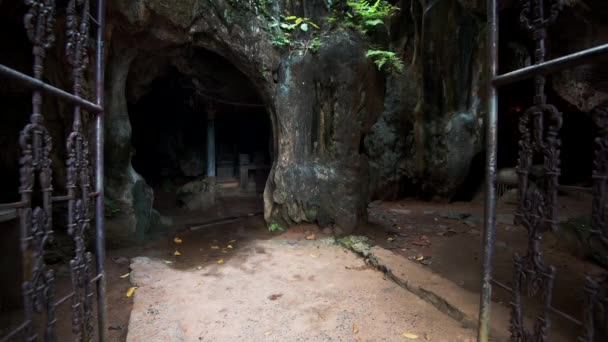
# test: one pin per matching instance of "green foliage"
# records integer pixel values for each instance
(363, 15)
(275, 227)
(386, 61)
(285, 34)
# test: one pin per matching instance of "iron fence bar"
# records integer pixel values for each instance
(99, 170)
(552, 66)
(490, 176)
(65, 299)
(14, 205)
(34, 83)
(552, 309)
(16, 331)
(96, 278)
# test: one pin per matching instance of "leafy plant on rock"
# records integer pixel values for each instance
(285, 33)
(363, 15)
(386, 61)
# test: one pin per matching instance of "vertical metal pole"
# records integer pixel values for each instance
(99, 174)
(490, 200)
(210, 144)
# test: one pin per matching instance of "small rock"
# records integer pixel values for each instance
(275, 296)
(402, 211)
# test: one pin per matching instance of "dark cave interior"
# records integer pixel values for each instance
(170, 137)
(577, 148)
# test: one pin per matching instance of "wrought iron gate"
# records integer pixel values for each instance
(35, 207)
(537, 210)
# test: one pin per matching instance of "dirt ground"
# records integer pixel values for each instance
(238, 287)
(447, 238)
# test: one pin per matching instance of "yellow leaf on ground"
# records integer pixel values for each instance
(410, 336)
(420, 257)
(231, 241)
(221, 261)
(314, 256)
(125, 275)
(177, 240)
(229, 246)
(177, 253)
(215, 247)
(131, 291)
(268, 332)
(355, 329)
(390, 239)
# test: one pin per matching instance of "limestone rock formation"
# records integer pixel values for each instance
(197, 195)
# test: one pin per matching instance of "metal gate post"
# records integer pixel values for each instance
(490, 193)
(40, 300)
(99, 170)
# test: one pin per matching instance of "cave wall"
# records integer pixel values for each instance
(432, 124)
(344, 133)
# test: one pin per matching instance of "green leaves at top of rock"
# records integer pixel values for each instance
(386, 61)
(364, 15)
(293, 21)
(296, 33)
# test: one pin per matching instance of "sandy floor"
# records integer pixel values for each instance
(447, 238)
(282, 289)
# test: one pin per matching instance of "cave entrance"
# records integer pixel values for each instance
(204, 144)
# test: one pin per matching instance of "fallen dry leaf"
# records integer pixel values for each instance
(215, 247)
(420, 257)
(177, 253)
(131, 291)
(314, 256)
(275, 296)
(390, 239)
(168, 262)
(231, 241)
(199, 267)
(125, 275)
(311, 237)
(269, 332)
(355, 329)
(177, 240)
(410, 336)
(221, 261)
(229, 247)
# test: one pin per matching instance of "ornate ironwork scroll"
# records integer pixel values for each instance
(36, 178)
(78, 175)
(35, 207)
(539, 127)
(595, 324)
